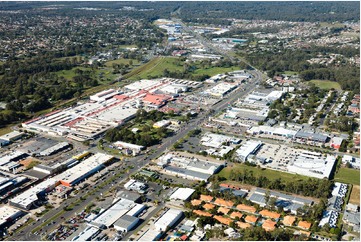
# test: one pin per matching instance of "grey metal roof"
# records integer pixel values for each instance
(312, 136)
(125, 221)
(353, 218)
(252, 116)
(129, 195)
(187, 172)
(234, 191)
(257, 198)
(285, 196)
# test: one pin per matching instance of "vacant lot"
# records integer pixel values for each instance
(326, 84)
(355, 195)
(5, 130)
(156, 67)
(121, 61)
(347, 175)
(270, 174)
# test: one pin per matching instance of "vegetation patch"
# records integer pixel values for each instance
(348, 175)
(290, 73)
(270, 174)
(121, 61)
(157, 69)
(323, 84)
(147, 135)
(275, 180)
(5, 130)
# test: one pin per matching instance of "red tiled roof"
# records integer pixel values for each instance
(202, 213)
(289, 220)
(236, 214)
(246, 208)
(269, 225)
(222, 202)
(206, 198)
(251, 219)
(304, 225)
(208, 206)
(223, 220)
(269, 214)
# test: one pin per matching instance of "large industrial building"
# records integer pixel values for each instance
(249, 148)
(188, 167)
(126, 223)
(217, 140)
(8, 215)
(182, 194)
(113, 213)
(88, 234)
(276, 131)
(83, 170)
(168, 219)
(312, 164)
(26, 199)
(220, 90)
(108, 109)
(12, 136)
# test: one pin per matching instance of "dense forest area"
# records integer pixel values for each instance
(212, 12)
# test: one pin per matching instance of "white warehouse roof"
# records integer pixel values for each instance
(113, 213)
(84, 167)
(87, 233)
(168, 219)
(26, 198)
(182, 194)
(7, 212)
(137, 209)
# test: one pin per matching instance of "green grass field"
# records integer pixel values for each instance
(5, 130)
(348, 175)
(121, 61)
(158, 68)
(290, 73)
(326, 84)
(270, 174)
